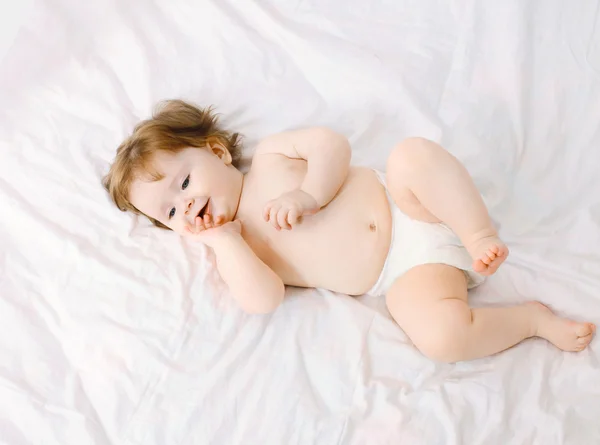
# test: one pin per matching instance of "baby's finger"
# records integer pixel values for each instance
(192, 229)
(293, 217)
(198, 224)
(267, 211)
(282, 219)
(273, 218)
(208, 223)
(200, 227)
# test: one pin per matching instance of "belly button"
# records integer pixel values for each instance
(372, 227)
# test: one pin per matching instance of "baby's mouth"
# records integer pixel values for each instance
(204, 210)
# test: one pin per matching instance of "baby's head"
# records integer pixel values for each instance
(177, 165)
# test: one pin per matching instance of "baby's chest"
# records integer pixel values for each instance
(337, 234)
(351, 233)
(279, 177)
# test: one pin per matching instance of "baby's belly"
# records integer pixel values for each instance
(343, 247)
(348, 260)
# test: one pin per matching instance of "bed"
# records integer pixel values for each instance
(114, 332)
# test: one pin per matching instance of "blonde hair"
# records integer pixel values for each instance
(175, 125)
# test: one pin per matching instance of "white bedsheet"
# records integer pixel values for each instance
(113, 332)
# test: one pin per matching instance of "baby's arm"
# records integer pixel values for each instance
(326, 152)
(256, 288)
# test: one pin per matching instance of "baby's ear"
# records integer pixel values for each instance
(220, 151)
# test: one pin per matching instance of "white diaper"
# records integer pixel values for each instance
(415, 243)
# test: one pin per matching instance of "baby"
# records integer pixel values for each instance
(302, 216)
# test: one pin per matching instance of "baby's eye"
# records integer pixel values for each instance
(172, 213)
(186, 182)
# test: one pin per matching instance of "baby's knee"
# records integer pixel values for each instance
(412, 152)
(445, 339)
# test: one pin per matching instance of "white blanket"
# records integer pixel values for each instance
(113, 332)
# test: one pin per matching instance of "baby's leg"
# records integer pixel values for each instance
(429, 184)
(429, 302)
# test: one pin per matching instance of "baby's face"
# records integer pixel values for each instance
(196, 182)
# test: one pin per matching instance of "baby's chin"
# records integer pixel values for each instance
(181, 231)
(183, 234)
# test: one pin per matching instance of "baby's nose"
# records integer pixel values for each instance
(188, 205)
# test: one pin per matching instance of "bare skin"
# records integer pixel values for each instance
(326, 249)
(428, 183)
(304, 217)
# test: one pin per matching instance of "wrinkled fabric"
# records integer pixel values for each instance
(114, 332)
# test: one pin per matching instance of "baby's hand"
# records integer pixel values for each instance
(285, 211)
(209, 233)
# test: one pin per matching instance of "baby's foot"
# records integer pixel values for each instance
(488, 252)
(563, 333)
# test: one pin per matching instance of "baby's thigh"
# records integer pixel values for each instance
(429, 302)
(399, 170)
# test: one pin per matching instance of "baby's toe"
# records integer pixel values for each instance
(582, 341)
(486, 260)
(491, 255)
(478, 266)
(584, 329)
